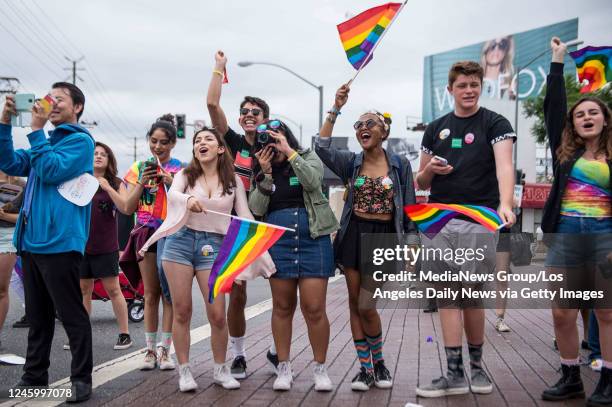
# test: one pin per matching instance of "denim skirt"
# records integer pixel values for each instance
(296, 254)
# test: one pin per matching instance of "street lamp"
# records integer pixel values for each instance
(299, 125)
(244, 64)
(572, 43)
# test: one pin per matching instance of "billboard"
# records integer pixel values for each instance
(501, 58)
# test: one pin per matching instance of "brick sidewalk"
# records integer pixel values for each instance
(521, 363)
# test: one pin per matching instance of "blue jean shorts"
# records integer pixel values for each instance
(297, 255)
(192, 248)
(579, 241)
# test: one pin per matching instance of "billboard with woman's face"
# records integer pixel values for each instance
(501, 58)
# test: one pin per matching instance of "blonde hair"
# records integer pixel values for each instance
(507, 66)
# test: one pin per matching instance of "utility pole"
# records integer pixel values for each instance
(74, 69)
(134, 149)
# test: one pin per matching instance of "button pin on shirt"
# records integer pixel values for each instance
(207, 250)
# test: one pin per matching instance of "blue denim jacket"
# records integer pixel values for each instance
(346, 165)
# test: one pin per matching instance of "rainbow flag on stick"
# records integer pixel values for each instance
(431, 218)
(361, 34)
(593, 64)
(244, 242)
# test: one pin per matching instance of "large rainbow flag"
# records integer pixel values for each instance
(244, 242)
(360, 33)
(595, 65)
(431, 218)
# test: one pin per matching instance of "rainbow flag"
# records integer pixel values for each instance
(359, 34)
(431, 218)
(244, 242)
(595, 65)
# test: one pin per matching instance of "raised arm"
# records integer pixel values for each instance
(555, 101)
(213, 98)
(338, 161)
(11, 162)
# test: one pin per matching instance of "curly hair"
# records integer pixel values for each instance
(572, 142)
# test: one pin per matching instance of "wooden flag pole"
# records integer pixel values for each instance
(378, 42)
(249, 220)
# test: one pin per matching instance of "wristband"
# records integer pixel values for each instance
(292, 156)
(218, 72)
(334, 110)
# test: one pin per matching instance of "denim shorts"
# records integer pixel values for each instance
(579, 241)
(192, 248)
(297, 255)
(6, 240)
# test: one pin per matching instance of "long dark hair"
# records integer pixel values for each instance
(225, 165)
(571, 141)
(110, 173)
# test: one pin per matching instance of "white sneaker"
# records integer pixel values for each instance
(150, 360)
(501, 326)
(186, 381)
(223, 377)
(321, 379)
(165, 361)
(284, 377)
(597, 364)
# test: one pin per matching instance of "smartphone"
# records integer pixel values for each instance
(23, 105)
(443, 161)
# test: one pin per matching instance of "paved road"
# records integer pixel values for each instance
(104, 334)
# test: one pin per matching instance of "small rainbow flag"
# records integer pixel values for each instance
(431, 218)
(593, 64)
(359, 34)
(244, 242)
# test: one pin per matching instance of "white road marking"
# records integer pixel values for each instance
(107, 371)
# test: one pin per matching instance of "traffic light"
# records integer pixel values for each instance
(180, 125)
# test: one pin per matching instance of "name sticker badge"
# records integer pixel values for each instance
(359, 181)
(456, 143)
(294, 181)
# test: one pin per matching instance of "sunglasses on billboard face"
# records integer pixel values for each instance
(244, 111)
(271, 125)
(370, 123)
(501, 45)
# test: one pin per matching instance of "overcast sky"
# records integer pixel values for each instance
(146, 58)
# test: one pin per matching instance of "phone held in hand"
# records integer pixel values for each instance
(443, 161)
(23, 106)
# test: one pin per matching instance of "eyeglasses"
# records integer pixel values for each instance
(271, 125)
(244, 111)
(370, 123)
(502, 45)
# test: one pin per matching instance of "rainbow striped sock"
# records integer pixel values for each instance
(376, 347)
(363, 353)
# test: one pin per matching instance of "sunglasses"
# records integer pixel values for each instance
(271, 125)
(502, 45)
(370, 123)
(244, 111)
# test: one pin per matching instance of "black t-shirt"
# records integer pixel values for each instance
(243, 155)
(288, 192)
(467, 144)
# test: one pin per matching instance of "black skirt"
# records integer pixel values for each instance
(355, 250)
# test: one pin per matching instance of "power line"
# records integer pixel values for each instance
(42, 43)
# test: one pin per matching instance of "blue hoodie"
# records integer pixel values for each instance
(48, 223)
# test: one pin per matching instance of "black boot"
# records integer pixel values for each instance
(569, 386)
(602, 396)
